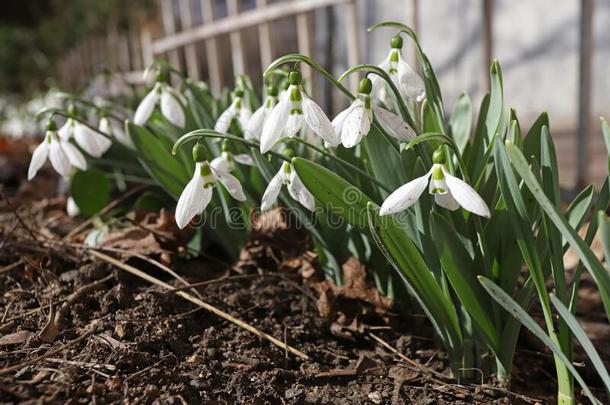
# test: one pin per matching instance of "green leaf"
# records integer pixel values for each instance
(584, 340)
(460, 270)
(333, 192)
(157, 159)
(516, 311)
(430, 121)
(393, 239)
(531, 142)
(593, 265)
(90, 190)
(461, 121)
(496, 101)
(383, 159)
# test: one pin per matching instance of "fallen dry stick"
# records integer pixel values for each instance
(197, 301)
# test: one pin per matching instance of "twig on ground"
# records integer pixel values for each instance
(11, 266)
(76, 295)
(199, 302)
(87, 364)
(51, 352)
(83, 225)
(16, 214)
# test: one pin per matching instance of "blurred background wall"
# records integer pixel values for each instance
(554, 54)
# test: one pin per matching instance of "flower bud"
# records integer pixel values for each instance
(295, 77)
(289, 153)
(438, 156)
(72, 110)
(51, 126)
(396, 42)
(365, 86)
(238, 93)
(198, 152)
(272, 90)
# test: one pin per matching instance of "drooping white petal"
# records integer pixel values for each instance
(192, 201)
(75, 157)
(410, 83)
(294, 123)
(67, 130)
(71, 208)
(299, 192)
(272, 190)
(338, 121)
(244, 159)
(172, 109)
(244, 116)
(59, 159)
(466, 196)
(224, 120)
(221, 163)
(254, 127)
(446, 200)
(231, 183)
(39, 156)
(91, 141)
(118, 132)
(395, 126)
(355, 126)
(274, 125)
(405, 196)
(104, 126)
(146, 107)
(318, 121)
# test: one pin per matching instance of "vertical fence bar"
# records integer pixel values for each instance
(146, 44)
(584, 91)
(487, 16)
(353, 39)
(413, 22)
(169, 27)
(211, 50)
(264, 39)
(190, 51)
(237, 51)
(304, 46)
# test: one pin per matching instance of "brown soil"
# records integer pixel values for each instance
(115, 337)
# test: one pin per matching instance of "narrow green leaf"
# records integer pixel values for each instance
(461, 121)
(593, 265)
(584, 340)
(531, 142)
(516, 311)
(606, 134)
(496, 100)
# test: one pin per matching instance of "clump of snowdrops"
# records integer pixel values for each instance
(459, 217)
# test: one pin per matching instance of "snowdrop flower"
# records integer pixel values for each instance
(288, 116)
(287, 176)
(238, 109)
(226, 161)
(112, 128)
(62, 154)
(404, 77)
(167, 98)
(449, 191)
(354, 123)
(198, 192)
(92, 142)
(254, 127)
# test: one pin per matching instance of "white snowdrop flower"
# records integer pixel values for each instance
(254, 127)
(287, 176)
(168, 100)
(404, 77)
(291, 113)
(226, 161)
(90, 140)
(237, 110)
(114, 129)
(62, 154)
(449, 191)
(198, 192)
(354, 123)
(71, 208)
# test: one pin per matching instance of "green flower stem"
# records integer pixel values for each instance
(87, 103)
